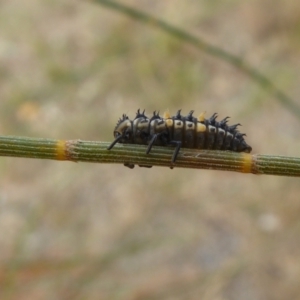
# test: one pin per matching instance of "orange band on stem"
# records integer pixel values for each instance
(247, 163)
(61, 150)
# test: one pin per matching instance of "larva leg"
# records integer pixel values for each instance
(154, 138)
(176, 151)
(114, 142)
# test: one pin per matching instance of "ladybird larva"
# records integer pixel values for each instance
(179, 131)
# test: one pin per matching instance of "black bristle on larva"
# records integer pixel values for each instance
(178, 115)
(223, 122)
(179, 131)
(121, 120)
(140, 115)
(190, 117)
(212, 119)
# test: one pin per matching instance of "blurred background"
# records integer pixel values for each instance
(69, 70)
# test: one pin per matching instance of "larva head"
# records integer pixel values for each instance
(123, 130)
(242, 145)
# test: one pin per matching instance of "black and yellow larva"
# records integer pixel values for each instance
(179, 131)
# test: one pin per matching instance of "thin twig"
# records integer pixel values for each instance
(262, 80)
(92, 151)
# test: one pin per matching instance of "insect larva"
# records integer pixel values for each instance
(179, 131)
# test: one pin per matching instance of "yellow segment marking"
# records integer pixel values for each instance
(169, 122)
(247, 163)
(201, 117)
(201, 127)
(167, 115)
(61, 150)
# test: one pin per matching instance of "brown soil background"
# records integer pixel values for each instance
(70, 69)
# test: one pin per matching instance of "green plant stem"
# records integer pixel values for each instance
(90, 151)
(262, 80)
